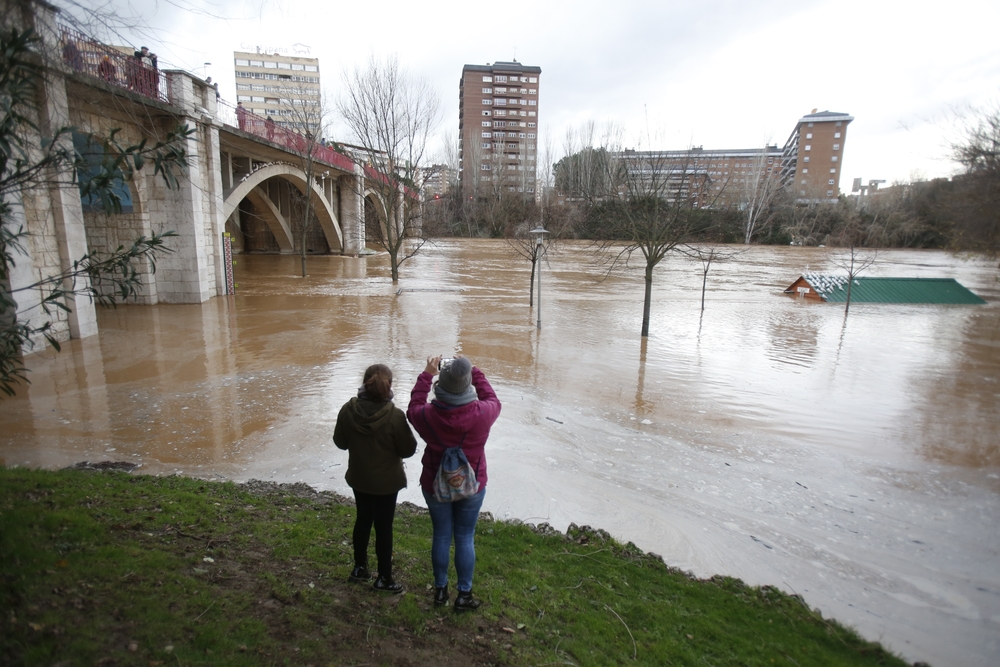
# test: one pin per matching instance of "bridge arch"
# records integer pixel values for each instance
(248, 187)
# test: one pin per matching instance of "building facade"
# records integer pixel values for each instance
(498, 128)
(813, 154)
(808, 166)
(286, 88)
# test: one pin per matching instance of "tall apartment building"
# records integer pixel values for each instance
(498, 128)
(812, 156)
(279, 86)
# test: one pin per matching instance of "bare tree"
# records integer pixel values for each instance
(303, 122)
(707, 255)
(651, 207)
(859, 241)
(978, 209)
(391, 115)
(757, 191)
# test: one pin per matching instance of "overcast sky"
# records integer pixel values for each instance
(714, 73)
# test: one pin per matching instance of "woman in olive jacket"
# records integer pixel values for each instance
(377, 437)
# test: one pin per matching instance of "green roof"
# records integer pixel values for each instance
(892, 290)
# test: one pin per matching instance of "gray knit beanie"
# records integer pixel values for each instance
(456, 375)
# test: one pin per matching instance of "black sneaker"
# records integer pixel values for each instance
(465, 602)
(441, 596)
(387, 585)
(360, 573)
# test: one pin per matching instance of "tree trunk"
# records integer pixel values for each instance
(647, 300)
(704, 281)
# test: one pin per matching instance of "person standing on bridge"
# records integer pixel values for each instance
(377, 437)
(269, 127)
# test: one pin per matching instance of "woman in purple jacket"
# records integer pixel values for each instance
(461, 414)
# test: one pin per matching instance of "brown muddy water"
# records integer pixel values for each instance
(855, 462)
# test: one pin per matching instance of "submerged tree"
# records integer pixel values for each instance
(391, 115)
(32, 161)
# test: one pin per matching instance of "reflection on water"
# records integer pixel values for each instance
(203, 384)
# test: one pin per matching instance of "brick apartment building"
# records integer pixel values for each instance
(498, 128)
(808, 165)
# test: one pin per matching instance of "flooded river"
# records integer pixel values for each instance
(855, 462)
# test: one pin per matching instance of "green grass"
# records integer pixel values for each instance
(112, 567)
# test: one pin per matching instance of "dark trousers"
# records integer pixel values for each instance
(377, 510)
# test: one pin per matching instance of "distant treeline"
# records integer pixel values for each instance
(961, 213)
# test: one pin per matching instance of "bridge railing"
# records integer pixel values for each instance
(113, 66)
(275, 133)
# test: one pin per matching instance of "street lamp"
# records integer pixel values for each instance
(538, 233)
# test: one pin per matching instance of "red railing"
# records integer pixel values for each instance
(271, 130)
(86, 55)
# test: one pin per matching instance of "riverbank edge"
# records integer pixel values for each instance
(509, 635)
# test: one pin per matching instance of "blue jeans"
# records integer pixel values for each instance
(456, 519)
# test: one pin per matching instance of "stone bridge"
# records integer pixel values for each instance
(246, 183)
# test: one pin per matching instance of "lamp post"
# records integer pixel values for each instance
(539, 233)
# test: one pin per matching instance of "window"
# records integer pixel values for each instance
(269, 65)
(810, 124)
(830, 182)
(809, 135)
(511, 167)
(487, 79)
(524, 91)
(836, 147)
(511, 145)
(499, 123)
(500, 79)
(486, 112)
(532, 79)
(805, 159)
(532, 91)
(806, 170)
(284, 66)
(297, 68)
(531, 124)
(498, 135)
(500, 101)
(256, 63)
(242, 98)
(829, 193)
(487, 144)
(532, 103)
(836, 135)
(833, 171)
(531, 135)
(770, 160)
(809, 147)
(312, 68)
(522, 135)
(485, 167)
(487, 135)
(257, 99)
(242, 63)
(487, 123)
(501, 90)
(531, 113)
(487, 102)
(833, 159)
(500, 112)
(513, 101)
(839, 123)
(487, 91)
(524, 113)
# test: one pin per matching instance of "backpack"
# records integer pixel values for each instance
(455, 478)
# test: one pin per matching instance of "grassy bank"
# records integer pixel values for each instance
(118, 569)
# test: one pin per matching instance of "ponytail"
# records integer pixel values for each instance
(378, 382)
